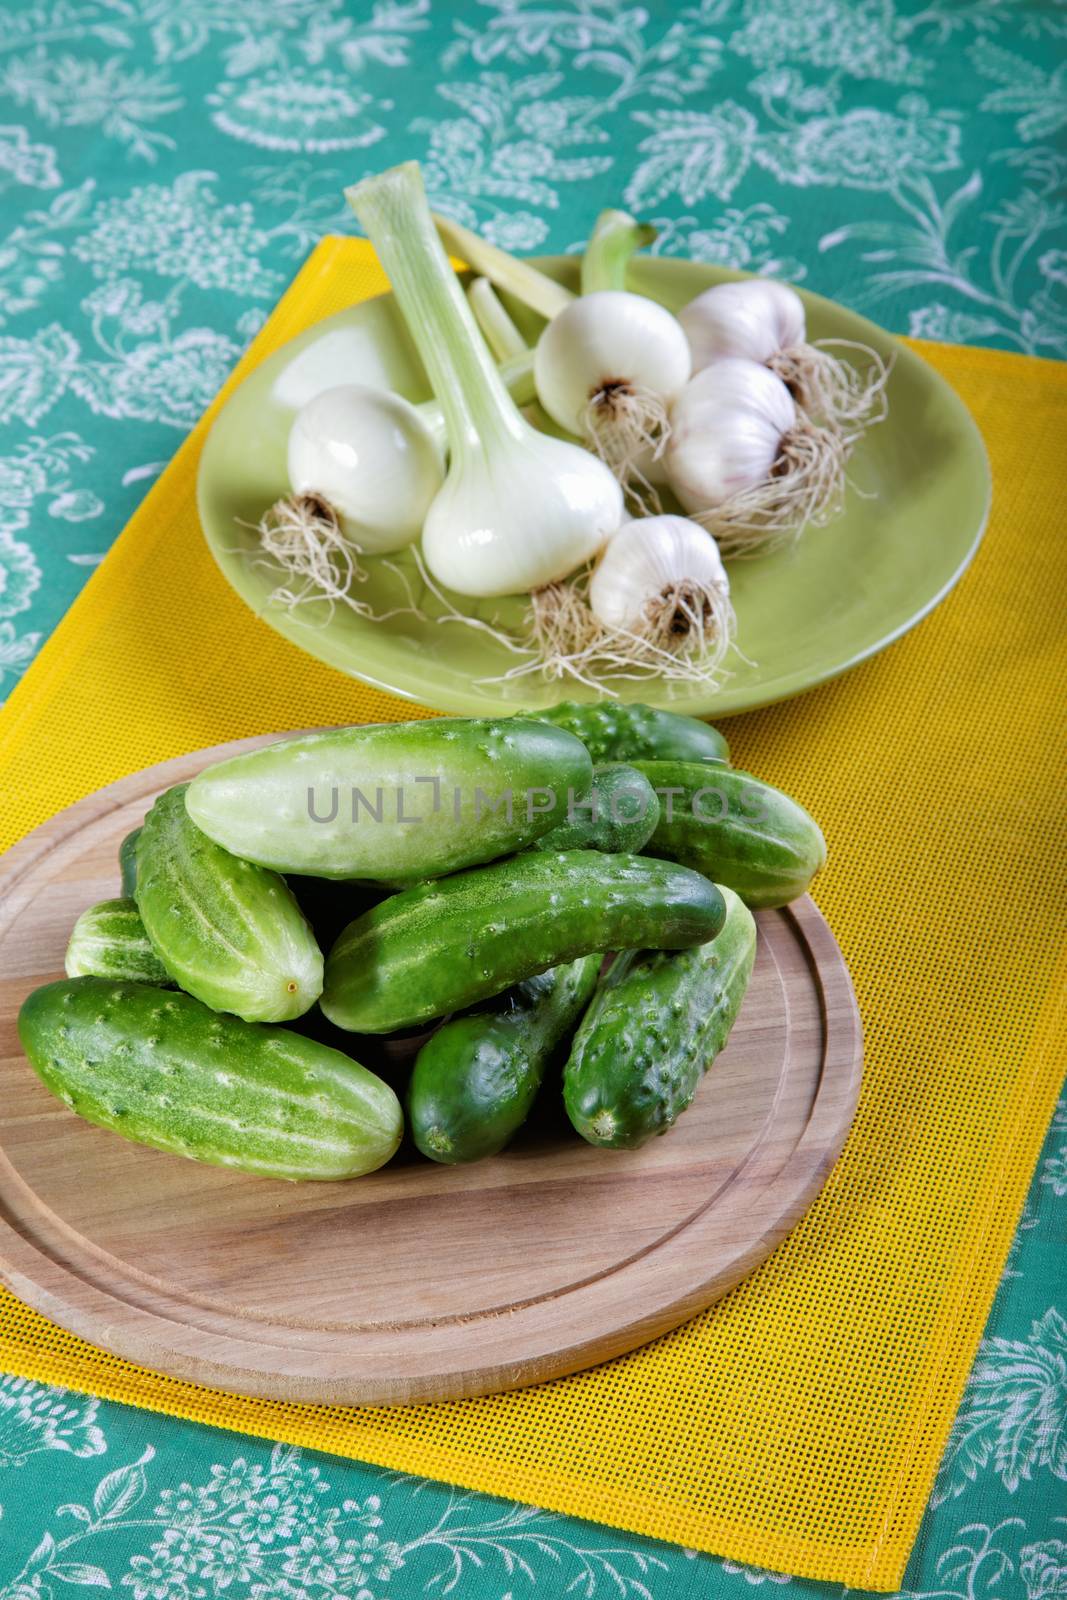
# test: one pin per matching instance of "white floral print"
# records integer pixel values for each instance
(21, 161)
(1053, 1170)
(291, 108)
(1013, 1419)
(34, 1417)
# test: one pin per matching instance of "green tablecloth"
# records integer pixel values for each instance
(165, 166)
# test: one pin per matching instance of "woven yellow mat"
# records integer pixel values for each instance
(798, 1424)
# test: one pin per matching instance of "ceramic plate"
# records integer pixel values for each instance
(913, 517)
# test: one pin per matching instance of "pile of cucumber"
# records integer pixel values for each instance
(568, 887)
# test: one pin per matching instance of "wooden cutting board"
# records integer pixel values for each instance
(418, 1282)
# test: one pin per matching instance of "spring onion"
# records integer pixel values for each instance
(517, 510)
(373, 462)
(372, 459)
(609, 361)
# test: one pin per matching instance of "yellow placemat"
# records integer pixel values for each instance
(798, 1424)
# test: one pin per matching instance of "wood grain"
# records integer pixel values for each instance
(419, 1282)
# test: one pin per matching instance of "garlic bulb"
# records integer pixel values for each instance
(368, 455)
(756, 318)
(662, 578)
(746, 463)
(763, 321)
(727, 427)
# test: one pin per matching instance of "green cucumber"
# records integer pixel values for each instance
(619, 813)
(655, 1024)
(476, 1078)
(735, 829)
(443, 946)
(160, 1068)
(612, 731)
(109, 941)
(228, 932)
(394, 802)
(128, 863)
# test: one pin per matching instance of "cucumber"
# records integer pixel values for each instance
(128, 863)
(109, 941)
(735, 829)
(162, 1069)
(619, 813)
(654, 1026)
(611, 731)
(395, 802)
(228, 932)
(446, 945)
(475, 1080)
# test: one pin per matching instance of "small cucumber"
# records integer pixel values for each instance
(737, 830)
(228, 932)
(619, 813)
(443, 946)
(395, 802)
(158, 1067)
(655, 1024)
(109, 941)
(128, 863)
(477, 1077)
(611, 731)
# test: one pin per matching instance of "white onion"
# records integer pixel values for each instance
(518, 515)
(602, 347)
(372, 459)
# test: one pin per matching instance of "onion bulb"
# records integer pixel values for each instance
(372, 458)
(609, 361)
(762, 320)
(745, 463)
(607, 368)
(517, 510)
(609, 364)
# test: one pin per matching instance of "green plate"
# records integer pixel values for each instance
(913, 518)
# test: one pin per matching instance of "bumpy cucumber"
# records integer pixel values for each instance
(654, 1026)
(619, 813)
(475, 1080)
(611, 731)
(228, 932)
(128, 863)
(109, 941)
(158, 1067)
(395, 802)
(737, 830)
(442, 946)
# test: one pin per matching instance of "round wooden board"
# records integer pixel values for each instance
(419, 1282)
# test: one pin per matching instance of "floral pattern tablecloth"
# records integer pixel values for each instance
(164, 166)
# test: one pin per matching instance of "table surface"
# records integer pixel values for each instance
(165, 169)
